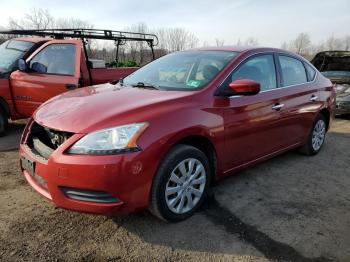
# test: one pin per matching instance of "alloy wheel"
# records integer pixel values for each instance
(185, 186)
(318, 134)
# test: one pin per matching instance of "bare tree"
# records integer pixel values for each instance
(347, 43)
(42, 19)
(285, 46)
(301, 44)
(219, 42)
(251, 41)
(35, 19)
(205, 44)
(333, 43)
(177, 39)
(71, 23)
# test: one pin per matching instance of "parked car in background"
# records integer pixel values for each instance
(335, 65)
(35, 69)
(160, 137)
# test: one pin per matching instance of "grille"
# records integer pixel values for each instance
(43, 141)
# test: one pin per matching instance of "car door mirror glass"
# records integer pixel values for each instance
(38, 68)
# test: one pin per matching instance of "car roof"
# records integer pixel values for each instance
(241, 49)
(32, 39)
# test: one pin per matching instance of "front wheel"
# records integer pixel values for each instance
(180, 184)
(316, 137)
(3, 123)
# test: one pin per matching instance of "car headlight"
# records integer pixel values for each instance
(114, 140)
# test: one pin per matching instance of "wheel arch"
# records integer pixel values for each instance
(4, 107)
(327, 115)
(204, 144)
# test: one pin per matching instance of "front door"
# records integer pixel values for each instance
(52, 70)
(252, 123)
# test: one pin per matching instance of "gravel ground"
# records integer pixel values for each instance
(290, 208)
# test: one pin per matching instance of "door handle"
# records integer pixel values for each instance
(70, 86)
(313, 98)
(277, 106)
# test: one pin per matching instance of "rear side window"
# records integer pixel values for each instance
(310, 72)
(293, 71)
(260, 69)
(58, 59)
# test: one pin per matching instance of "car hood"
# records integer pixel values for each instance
(96, 107)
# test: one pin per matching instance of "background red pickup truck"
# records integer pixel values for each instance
(49, 67)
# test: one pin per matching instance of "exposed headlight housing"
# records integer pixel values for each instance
(114, 140)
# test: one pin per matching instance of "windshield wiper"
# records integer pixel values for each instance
(145, 85)
(119, 81)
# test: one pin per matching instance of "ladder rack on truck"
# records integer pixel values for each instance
(119, 37)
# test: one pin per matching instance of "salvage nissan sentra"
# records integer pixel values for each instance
(158, 138)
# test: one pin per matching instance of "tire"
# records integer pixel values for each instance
(317, 133)
(3, 123)
(183, 190)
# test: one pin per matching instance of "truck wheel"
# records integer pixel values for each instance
(181, 184)
(3, 123)
(316, 137)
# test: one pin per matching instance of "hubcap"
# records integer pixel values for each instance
(185, 186)
(318, 135)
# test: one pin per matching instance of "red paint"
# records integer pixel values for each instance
(243, 130)
(23, 92)
(245, 86)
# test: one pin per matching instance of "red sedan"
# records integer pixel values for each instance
(159, 137)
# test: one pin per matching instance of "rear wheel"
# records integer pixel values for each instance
(316, 137)
(180, 184)
(3, 123)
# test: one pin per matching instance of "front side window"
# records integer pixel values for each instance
(260, 69)
(187, 71)
(293, 71)
(56, 59)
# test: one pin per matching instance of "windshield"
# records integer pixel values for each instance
(189, 70)
(10, 52)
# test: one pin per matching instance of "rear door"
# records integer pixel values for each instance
(52, 70)
(299, 97)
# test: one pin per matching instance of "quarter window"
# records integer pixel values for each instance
(310, 72)
(260, 69)
(293, 71)
(56, 59)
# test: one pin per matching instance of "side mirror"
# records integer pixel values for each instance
(22, 65)
(38, 68)
(245, 87)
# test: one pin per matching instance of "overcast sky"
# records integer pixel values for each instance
(271, 21)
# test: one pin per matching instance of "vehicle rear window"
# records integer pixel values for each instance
(293, 71)
(58, 59)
